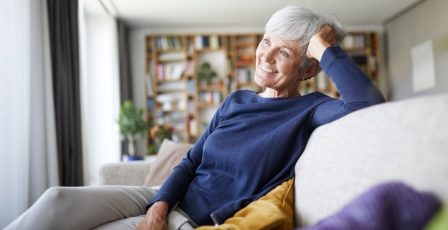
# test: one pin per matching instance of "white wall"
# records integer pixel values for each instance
(426, 21)
(100, 94)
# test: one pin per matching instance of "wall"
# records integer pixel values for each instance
(423, 22)
(99, 93)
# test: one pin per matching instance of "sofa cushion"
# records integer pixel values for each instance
(390, 205)
(403, 141)
(272, 211)
(170, 154)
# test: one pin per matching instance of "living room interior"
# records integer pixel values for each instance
(76, 73)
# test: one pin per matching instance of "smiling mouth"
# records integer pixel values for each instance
(266, 68)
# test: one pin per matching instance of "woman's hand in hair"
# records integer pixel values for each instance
(319, 42)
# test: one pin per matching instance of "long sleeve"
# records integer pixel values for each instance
(356, 89)
(177, 183)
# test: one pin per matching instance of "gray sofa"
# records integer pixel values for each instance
(403, 141)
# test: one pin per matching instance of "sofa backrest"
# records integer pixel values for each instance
(403, 141)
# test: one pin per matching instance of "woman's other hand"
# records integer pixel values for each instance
(319, 42)
(155, 218)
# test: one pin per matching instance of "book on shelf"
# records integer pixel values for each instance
(189, 68)
(171, 56)
(229, 65)
(148, 84)
(246, 56)
(170, 71)
(149, 78)
(190, 48)
(171, 87)
(170, 102)
(211, 98)
(192, 126)
(244, 75)
(215, 42)
(151, 104)
(200, 42)
(205, 41)
(191, 107)
(165, 43)
(354, 41)
(245, 40)
(191, 86)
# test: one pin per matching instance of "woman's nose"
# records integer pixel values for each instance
(269, 56)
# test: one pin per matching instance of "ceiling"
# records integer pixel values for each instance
(220, 13)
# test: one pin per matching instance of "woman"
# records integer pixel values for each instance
(253, 140)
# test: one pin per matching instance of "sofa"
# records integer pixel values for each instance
(405, 141)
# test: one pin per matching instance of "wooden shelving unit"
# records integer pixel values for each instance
(176, 97)
(174, 94)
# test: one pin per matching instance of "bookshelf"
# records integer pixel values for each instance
(174, 93)
(243, 58)
(176, 96)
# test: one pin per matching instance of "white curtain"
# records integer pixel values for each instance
(100, 92)
(28, 160)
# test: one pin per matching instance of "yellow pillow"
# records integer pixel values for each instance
(272, 211)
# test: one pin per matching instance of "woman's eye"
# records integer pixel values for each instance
(266, 41)
(284, 54)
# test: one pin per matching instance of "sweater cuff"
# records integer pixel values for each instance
(330, 55)
(160, 197)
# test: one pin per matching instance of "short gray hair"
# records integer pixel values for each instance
(300, 24)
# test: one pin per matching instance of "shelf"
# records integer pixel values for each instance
(211, 50)
(170, 50)
(205, 105)
(166, 91)
(170, 80)
(173, 111)
(172, 60)
(246, 45)
(245, 64)
(211, 88)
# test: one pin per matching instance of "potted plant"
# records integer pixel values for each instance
(205, 73)
(132, 126)
(157, 134)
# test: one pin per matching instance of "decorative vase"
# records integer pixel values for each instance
(131, 156)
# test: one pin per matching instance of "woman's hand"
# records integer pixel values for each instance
(319, 42)
(156, 217)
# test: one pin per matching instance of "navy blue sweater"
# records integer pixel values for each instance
(253, 143)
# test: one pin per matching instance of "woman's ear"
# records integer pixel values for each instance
(311, 71)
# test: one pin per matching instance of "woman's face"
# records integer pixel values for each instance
(277, 64)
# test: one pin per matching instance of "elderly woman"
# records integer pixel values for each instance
(253, 140)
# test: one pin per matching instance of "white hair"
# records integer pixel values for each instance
(300, 24)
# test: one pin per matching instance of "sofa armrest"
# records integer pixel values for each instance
(124, 173)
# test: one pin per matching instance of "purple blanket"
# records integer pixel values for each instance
(390, 205)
